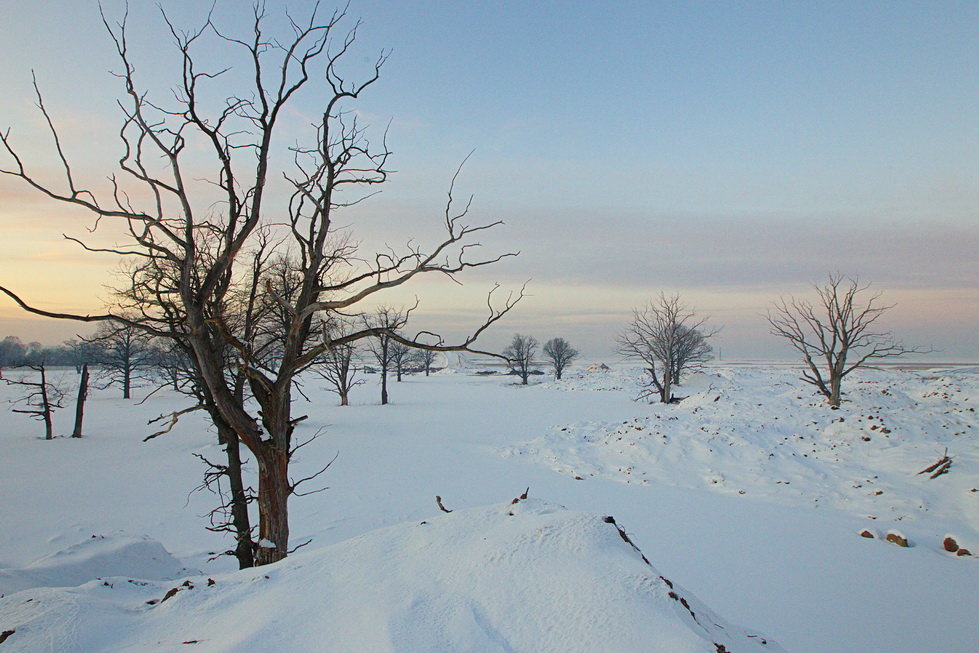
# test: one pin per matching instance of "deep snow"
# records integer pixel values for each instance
(784, 556)
(513, 577)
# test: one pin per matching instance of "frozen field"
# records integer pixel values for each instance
(749, 496)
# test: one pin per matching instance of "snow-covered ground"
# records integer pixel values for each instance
(748, 496)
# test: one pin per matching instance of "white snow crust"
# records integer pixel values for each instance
(749, 495)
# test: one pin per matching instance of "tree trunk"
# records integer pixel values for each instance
(384, 386)
(244, 550)
(344, 401)
(398, 371)
(126, 382)
(835, 385)
(46, 406)
(273, 499)
(76, 432)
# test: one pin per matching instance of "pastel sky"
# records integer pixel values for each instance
(731, 152)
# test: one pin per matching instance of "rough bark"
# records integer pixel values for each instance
(240, 520)
(273, 505)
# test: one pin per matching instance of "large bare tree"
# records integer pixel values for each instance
(669, 339)
(200, 276)
(836, 334)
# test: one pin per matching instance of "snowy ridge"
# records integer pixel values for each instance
(529, 576)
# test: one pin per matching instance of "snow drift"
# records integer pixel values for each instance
(528, 576)
(96, 557)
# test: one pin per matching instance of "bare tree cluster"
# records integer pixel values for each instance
(522, 356)
(203, 276)
(669, 339)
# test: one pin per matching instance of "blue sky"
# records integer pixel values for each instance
(733, 152)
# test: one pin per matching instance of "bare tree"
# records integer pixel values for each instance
(126, 355)
(837, 334)
(521, 355)
(669, 339)
(559, 353)
(80, 353)
(692, 350)
(194, 240)
(402, 358)
(386, 321)
(336, 364)
(41, 399)
(427, 359)
(172, 365)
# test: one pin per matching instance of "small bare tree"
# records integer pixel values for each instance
(837, 334)
(669, 339)
(402, 357)
(559, 353)
(385, 321)
(427, 359)
(126, 355)
(41, 399)
(336, 364)
(521, 355)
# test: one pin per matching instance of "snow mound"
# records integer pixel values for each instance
(529, 576)
(762, 433)
(97, 557)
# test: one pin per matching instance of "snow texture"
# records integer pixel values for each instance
(528, 577)
(750, 495)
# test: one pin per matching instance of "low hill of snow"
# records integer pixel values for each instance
(764, 434)
(529, 576)
(96, 557)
